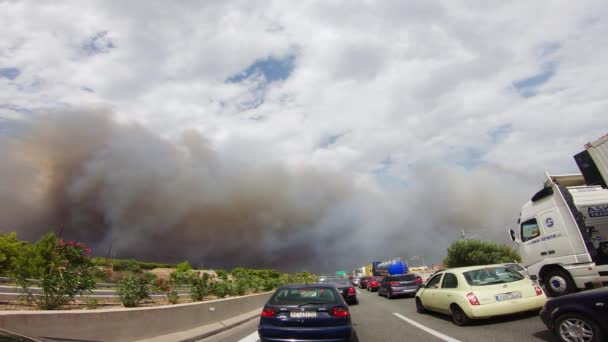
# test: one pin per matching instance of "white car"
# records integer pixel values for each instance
(479, 292)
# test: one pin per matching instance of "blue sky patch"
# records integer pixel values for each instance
(99, 43)
(472, 158)
(500, 133)
(10, 73)
(328, 140)
(271, 68)
(528, 87)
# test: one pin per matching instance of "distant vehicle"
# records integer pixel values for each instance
(579, 316)
(374, 284)
(344, 286)
(563, 230)
(356, 281)
(305, 312)
(363, 281)
(479, 292)
(394, 267)
(401, 285)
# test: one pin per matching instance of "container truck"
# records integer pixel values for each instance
(562, 231)
(392, 267)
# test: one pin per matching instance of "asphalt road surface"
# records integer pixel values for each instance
(379, 319)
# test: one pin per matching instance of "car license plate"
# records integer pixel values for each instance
(303, 314)
(507, 296)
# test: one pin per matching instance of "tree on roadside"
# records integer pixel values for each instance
(11, 250)
(476, 252)
(64, 270)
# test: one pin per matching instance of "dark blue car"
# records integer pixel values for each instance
(581, 316)
(311, 312)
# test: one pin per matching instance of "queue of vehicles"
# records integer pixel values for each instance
(563, 240)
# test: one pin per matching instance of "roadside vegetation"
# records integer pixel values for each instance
(476, 252)
(66, 273)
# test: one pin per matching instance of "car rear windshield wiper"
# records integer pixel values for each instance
(309, 303)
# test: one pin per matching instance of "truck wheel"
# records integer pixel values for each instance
(558, 283)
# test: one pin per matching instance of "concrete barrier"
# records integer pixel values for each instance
(127, 324)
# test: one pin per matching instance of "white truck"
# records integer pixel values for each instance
(563, 230)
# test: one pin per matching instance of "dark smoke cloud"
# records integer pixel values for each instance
(86, 176)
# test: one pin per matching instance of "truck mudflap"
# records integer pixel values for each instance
(587, 275)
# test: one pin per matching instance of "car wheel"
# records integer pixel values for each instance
(575, 327)
(459, 317)
(389, 295)
(558, 283)
(379, 293)
(419, 307)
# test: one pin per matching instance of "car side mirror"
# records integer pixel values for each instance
(513, 236)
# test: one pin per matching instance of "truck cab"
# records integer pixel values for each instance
(563, 230)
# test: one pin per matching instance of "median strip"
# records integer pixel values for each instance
(427, 329)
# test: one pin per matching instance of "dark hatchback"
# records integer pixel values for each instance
(399, 285)
(363, 282)
(311, 312)
(344, 286)
(581, 316)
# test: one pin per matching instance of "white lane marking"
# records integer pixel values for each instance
(427, 329)
(253, 337)
(358, 292)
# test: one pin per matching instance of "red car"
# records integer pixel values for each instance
(374, 283)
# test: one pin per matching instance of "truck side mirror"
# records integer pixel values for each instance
(513, 235)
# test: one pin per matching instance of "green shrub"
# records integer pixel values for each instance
(128, 265)
(476, 252)
(172, 296)
(183, 273)
(11, 250)
(221, 289)
(199, 287)
(222, 274)
(168, 288)
(63, 268)
(132, 290)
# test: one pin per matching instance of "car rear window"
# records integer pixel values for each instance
(379, 279)
(492, 275)
(297, 296)
(407, 277)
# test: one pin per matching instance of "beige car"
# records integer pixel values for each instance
(479, 292)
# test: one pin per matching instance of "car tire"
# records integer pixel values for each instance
(558, 283)
(459, 317)
(420, 307)
(389, 295)
(569, 326)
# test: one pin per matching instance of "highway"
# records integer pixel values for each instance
(379, 319)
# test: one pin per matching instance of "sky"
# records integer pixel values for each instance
(315, 135)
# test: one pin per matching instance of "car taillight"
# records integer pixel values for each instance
(394, 283)
(472, 298)
(418, 280)
(538, 289)
(268, 312)
(340, 312)
(351, 290)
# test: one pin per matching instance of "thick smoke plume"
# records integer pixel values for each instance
(120, 186)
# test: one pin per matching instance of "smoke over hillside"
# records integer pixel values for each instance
(120, 185)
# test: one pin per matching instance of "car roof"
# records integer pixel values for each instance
(471, 268)
(303, 286)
